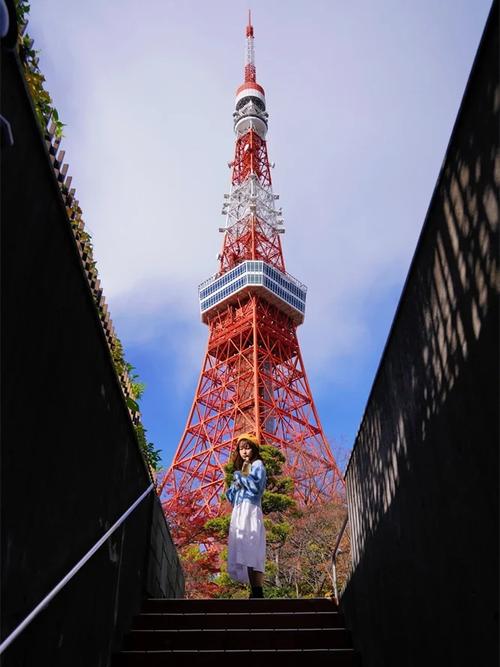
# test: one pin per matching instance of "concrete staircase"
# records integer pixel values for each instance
(244, 632)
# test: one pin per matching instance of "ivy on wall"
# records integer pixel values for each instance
(52, 128)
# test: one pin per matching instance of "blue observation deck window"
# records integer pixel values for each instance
(285, 289)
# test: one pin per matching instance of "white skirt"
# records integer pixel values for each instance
(247, 541)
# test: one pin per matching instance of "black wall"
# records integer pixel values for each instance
(71, 464)
(422, 481)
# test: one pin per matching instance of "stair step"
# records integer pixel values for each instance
(165, 605)
(262, 619)
(223, 639)
(224, 632)
(242, 658)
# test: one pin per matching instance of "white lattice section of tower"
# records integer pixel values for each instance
(251, 197)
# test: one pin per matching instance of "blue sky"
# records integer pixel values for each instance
(362, 98)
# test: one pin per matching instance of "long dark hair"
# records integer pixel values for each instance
(236, 459)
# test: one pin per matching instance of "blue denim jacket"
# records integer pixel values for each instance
(249, 487)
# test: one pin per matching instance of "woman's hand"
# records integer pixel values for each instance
(255, 481)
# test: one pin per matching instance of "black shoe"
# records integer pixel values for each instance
(257, 592)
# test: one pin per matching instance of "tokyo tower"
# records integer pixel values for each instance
(252, 377)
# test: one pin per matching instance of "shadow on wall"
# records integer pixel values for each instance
(422, 479)
(461, 291)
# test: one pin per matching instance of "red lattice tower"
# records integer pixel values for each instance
(253, 377)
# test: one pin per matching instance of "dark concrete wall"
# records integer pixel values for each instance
(164, 574)
(71, 464)
(422, 481)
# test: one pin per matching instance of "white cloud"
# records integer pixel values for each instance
(360, 117)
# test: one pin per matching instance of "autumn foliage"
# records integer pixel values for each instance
(300, 541)
(305, 564)
(198, 551)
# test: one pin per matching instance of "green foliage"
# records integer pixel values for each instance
(278, 494)
(278, 591)
(276, 502)
(219, 527)
(42, 101)
(123, 367)
(279, 506)
(228, 474)
(137, 386)
(152, 455)
(132, 405)
(118, 356)
(273, 459)
(277, 532)
(228, 588)
(284, 485)
(22, 9)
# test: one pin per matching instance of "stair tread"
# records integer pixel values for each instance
(237, 650)
(237, 613)
(204, 631)
(192, 630)
(248, 605)
(236, 601)
(241, 620)
(345, 657)
(237, 639)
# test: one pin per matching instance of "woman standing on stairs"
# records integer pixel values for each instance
(247, 535)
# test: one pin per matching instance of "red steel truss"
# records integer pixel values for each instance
(252, 379)
(252, 376)
(251, 158)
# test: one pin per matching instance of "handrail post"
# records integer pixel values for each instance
(334, 576)
(335, 551)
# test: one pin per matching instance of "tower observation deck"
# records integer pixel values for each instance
(252, 377)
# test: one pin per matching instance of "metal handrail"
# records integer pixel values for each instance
(6, 642)
(334, 557)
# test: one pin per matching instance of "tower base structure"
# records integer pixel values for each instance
(252, 379)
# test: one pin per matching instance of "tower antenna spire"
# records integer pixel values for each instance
(250, 53)
(250, 26)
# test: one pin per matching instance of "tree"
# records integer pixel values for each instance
(306, 565)
(299, 541)
(198, 552)
(279, 507)
(200, 569)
